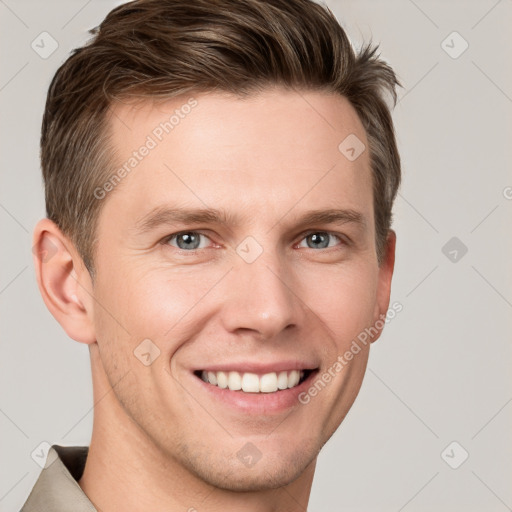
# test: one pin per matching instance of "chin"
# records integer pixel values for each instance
(259, 478)
(272, 471)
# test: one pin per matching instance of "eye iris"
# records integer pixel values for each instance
(188, 238)
(317, 238)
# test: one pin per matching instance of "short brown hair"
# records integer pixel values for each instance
(164, 48)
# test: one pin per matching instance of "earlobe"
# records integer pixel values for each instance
(384, 283)
(63, 282)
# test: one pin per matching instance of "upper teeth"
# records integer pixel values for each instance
(253, 383)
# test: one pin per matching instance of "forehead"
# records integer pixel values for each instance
(277, 117)
(268, 152)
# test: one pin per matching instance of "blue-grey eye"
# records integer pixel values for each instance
(189, 240)
(319, 239)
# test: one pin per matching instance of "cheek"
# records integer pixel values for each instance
(164, 304)
(345, 303)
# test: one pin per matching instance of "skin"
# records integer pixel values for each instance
(159, 442)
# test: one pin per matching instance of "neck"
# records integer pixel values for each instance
(125, 470)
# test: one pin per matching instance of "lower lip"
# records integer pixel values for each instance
(257, 403)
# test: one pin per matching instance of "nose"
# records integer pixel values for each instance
(260, 297)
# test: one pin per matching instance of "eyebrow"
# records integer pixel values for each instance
(168, 216)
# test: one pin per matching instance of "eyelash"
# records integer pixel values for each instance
(167, 239)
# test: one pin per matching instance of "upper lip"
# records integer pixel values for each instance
(258, 367)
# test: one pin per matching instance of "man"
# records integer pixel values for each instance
(219, 182)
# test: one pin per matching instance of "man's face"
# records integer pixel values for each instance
(257, 292)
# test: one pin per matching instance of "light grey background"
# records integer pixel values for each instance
(440, 372)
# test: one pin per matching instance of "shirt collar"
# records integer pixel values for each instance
(57, 487)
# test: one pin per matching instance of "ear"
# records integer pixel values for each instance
(384, 284)
(63, 280)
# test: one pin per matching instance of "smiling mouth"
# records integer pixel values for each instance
(247, 382)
